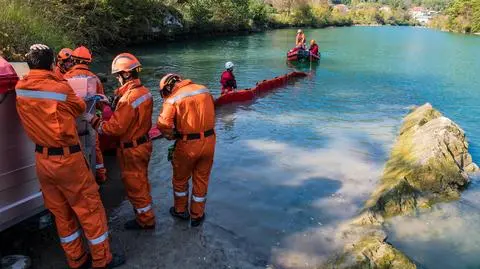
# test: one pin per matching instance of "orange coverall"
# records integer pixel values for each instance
(47, 107)
(131, 121)
(190, 111)
(82, 70)
(58, 71)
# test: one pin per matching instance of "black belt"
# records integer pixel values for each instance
(195, 136)
(142, 140)
(58, 151)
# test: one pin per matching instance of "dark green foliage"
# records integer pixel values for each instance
(462, 16)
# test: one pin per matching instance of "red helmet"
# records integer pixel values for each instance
(125, 62)
(64, 54)
(82, 54)
(168, 80)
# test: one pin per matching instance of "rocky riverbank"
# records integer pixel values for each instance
(429, 163)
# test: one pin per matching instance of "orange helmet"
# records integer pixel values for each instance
(83, 54)
(64, 54)
(169, 79)
(125, 62)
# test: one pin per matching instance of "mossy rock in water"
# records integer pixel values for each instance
(370, 251)
(429, 163)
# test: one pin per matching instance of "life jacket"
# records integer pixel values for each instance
(228, 80)
(314, 49)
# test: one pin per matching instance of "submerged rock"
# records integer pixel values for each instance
(429, 163)
(371, 251)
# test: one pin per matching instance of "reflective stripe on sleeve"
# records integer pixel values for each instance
(70, 238)
(42, 95)
(83, 76)
(100, 128)
(99, 239)
(179, 97)
(181, 194)
(144, 209)
(141, 100)
(198, 199)
(99, 166)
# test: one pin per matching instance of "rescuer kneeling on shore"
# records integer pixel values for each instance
(188, 116)
(48, 107)
(131, 121)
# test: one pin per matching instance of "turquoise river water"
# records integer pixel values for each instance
(293, 165)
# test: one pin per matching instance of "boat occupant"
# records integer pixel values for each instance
(188, 116)
(229, 84)
(313, 48)
(64, 62)
(82, 57)
(131, 121)
(48, 107)
(300, 39)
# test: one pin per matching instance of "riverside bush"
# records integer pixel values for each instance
(62, 23)
(462, 16)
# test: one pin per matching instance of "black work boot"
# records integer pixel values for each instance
(117, 260)
(182, 216)
(87, 264)
(197, 222)
(134, 225)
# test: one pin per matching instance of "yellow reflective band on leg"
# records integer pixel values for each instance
(144, 209)
(70, 238)
(198, 199)
(181, 194)
(99, 239)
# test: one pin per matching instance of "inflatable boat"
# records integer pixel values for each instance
(260, 88)
(299, 54)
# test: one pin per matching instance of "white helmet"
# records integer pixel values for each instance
(299, 31)
(229, 65)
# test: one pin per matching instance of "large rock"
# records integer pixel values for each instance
(429, 163)
(366, 246)
(370, 251)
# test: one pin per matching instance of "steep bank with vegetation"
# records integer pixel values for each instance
(109, 23)
(461, 16)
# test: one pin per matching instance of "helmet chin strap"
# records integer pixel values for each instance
(123, 78)
(167, 90)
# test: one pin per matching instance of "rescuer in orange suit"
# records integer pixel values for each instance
(131, 121)
(82, 57)
(47, 107)
(188, 116)
(64, 62)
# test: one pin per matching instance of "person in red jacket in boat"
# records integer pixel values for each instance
(313, 48)
(229, 84)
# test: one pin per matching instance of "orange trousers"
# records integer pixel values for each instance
(134, 165)
(101, 171)
(71, 194)
(192, 158)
